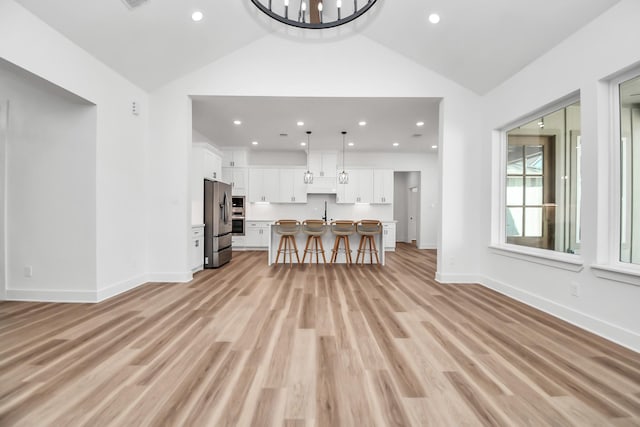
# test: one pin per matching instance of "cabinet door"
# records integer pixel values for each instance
(389, 236)
(209, 165)
(364, 188)
(383, 186)
(234, 158)
(264, 185)
(240, 178)
(252, 236)
(292, 188)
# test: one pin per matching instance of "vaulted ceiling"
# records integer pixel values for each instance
(478, 44)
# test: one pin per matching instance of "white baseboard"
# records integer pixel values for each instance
(45, 295)
(183, 277)
(71, 296)
(455, 278)
(624, 337)
(428, 246)
(120, 287)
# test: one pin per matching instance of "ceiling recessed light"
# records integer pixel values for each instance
(434, 18)
(237, 122)
(395, 144)
(434, 146)
(362, 123)
(420, 124)
(351, 144)
(300, 123)
(197, 16)
(255, 143)
(303, 143)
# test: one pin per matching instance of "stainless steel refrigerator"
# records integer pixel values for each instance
(217, 223)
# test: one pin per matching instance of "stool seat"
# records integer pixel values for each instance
(287, 229)
(342, 229)
(368, 229)
(314, 229)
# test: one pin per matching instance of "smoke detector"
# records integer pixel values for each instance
(132, 4)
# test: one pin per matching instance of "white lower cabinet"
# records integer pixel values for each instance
(257, 234)
(196, 257)
(238, 242)
(389, 236)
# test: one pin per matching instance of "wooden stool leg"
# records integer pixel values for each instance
(304, 255)
(375, 248)
(295, 247)
(348, 250)
(324, 259)
(279, 249)
(335, 249)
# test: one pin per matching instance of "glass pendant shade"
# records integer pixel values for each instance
(343, 177)
(308, 175)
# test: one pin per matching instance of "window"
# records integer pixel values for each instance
(542, 193)
(629, 128)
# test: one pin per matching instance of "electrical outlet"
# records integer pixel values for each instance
(575, 289)
(28, 271)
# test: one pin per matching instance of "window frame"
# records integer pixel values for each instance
(498, 244)
(609, 265)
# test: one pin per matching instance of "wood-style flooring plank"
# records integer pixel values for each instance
(309, 345)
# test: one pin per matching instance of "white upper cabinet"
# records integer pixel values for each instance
(237, 178)
(234, 158)
(323, 164)
(264, 185)
(359, 189)
(383, 186)
(205, 163)
(292, 186)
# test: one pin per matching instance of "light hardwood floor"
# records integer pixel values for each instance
(254, 345)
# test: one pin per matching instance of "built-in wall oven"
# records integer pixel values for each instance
(238, 215)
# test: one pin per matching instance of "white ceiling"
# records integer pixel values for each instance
(478, 44)
(263, 119)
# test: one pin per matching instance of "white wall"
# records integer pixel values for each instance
(264, 68)
(4, 109)
(604, 47)
(120, 141)
(51, 209)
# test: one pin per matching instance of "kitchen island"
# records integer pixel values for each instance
(328, 240)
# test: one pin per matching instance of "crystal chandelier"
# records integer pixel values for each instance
(314, 14)
(343, 177)
(308, 175)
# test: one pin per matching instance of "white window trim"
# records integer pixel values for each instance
(498, 243)
(608, 264)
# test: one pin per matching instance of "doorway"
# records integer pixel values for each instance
(406, 206)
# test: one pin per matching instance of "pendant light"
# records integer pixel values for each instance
(308, 175)
(343, 177)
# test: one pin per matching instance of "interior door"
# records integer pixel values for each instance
(412, 202)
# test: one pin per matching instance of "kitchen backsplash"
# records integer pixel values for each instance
(314, 209)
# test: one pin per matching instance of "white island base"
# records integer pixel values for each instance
(328, 240)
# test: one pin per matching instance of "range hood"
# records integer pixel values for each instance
(322, 185)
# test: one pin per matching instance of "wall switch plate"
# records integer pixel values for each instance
(28, 271)
(575, 289)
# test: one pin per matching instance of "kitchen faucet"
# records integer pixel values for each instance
(325, 211)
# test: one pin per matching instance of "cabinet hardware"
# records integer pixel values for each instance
(197, 243)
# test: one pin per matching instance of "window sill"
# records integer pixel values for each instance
(618, 274)
(559, 260)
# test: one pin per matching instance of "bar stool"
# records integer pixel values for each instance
(342, 230)
(287, 229)
(314, 229)
(368, 229)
